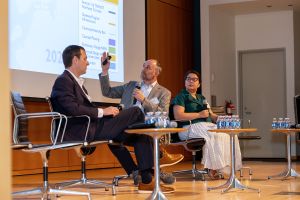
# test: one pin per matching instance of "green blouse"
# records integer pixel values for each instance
(191, 104)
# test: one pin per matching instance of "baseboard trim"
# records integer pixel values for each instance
(266, 159)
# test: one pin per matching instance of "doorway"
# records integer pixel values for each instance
(262, 96)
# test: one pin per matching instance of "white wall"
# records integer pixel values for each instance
(266, 31)
(5, 122)
(250, 32)
(205, 57)
(222, 56)
(297, 51)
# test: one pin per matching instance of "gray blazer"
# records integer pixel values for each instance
(158, 99)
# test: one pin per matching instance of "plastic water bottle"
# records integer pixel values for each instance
(230, 122)
(219, 122)
(234, 121)
(226, 121)
(280, 122)
(238, 122)
(274, 123)
(149, 118)
(222, 121)
(158, 120)
(287, 122)
(165, 119)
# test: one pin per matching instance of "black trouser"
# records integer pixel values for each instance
(113, 129)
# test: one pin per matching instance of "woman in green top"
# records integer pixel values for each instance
(191, 106)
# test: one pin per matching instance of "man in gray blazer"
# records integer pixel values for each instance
(157, 97)
(149, 96)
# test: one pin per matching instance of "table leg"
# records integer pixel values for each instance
(288, 171)
(157, 194)
(232, 182)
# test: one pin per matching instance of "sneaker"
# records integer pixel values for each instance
(167, 178)
(169, 159)
(148, 188)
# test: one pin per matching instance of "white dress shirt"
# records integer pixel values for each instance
(80, 82)
(146, 89)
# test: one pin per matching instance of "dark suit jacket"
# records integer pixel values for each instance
(68, 98)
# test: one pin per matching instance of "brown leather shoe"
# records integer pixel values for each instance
(169, 159)
(148, 188)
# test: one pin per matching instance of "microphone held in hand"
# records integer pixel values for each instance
(104, 62)
(137, 86)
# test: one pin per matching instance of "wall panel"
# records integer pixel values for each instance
(170, 39)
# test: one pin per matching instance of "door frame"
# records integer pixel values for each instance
(239, 74)
(240, 78)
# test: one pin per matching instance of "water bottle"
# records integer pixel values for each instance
(287, 122)
(149, 118)
(280, 122)
(158, 120)
(223, 123)
(274, 123)
(238, 122)
(165, 119)
(219, 122)
(233, 121)
(226, 122)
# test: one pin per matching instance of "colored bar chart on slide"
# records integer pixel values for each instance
(44, 28)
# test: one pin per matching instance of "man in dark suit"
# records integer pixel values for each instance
(71, 98)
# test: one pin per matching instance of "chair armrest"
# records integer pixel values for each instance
(27, 116)
(87, 127)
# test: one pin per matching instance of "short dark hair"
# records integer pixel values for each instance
(193, 72)
(69, 52)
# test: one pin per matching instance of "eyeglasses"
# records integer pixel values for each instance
(191, 79)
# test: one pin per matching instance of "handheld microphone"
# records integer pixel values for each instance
(137, 86)
(104, 62)
(206, 103)
(295, 126)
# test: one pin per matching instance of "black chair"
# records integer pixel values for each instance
(82, 151)
(21, 141)
(192, 145)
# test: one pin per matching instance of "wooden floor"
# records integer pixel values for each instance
(185, 187)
